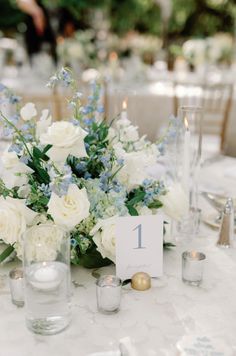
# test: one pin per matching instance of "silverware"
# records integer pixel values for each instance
(216, 201)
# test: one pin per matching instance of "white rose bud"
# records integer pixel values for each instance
(28, 111)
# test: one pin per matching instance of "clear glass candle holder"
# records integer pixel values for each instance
(16, 281)
(190, 223)
(108, 289)
(189, 146)
(192, 267)
(47, 279)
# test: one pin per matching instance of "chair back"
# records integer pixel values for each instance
(215, 99)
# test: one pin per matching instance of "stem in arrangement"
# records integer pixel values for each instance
(17, 131)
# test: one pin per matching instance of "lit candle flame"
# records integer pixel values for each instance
(124, 105)
(186, 124)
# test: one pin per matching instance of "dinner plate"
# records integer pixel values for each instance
(216, 200)
(214, 221)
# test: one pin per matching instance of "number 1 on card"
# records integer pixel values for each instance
(139, 229)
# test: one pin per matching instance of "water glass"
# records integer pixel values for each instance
(190, 223)
(108, 290)
(192, 267)
(47, 279)
(16, 281)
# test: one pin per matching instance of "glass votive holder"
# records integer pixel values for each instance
(16, 281)
(192, 267)
(108, 289)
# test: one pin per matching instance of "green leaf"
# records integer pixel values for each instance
(132, 210)
(125, 282)
(93, 259)
(139, 196)
(168, 245)
(8, 250)
(47, 148)
(39, 154)
(156, 204)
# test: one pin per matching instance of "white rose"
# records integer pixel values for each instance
(28, 111)
(43, 124)
(14, 217)
(70, 209)
(43, 242)
(129, 133)
(14, 172)
(134, 171)
(104, 237)
(175, 202)
(123, 122)
(66, 139)
(9, 159)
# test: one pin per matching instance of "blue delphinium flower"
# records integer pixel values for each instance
(2, 87)
(13, 99)
(100, 109)
(174, 128)
(24, 159)
(45, 189)
(63, 75)
(8, 131)
(16, 147)
(14, 119)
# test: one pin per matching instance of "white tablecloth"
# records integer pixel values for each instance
(156, 319)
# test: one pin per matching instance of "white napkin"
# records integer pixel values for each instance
(126, 348)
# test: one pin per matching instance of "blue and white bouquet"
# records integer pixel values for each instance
(80, 174)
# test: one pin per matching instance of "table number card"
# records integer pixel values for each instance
(139, 245)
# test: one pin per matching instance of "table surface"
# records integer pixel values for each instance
(156, 319)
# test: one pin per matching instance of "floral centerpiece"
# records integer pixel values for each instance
(80, 174)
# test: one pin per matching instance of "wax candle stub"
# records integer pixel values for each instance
(141, 281)
(45, 277)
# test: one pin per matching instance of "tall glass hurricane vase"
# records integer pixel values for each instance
(189, 146)
(47, 279)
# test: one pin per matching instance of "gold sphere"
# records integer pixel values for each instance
(141, 281)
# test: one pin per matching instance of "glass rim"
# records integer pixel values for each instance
(106, 276)
(189, 108)
(39, 226)
(193, 255)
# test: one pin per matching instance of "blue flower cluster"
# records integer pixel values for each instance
(63, 76)
(106, 204)
(174, 128)
(153, 190)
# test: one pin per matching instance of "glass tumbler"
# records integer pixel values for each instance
(47, 279)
